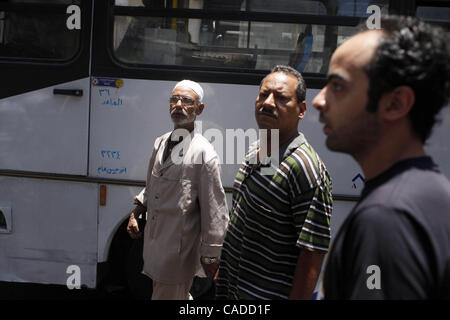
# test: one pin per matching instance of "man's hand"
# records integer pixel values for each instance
(211, 268)
(133, 227)
(306, 274)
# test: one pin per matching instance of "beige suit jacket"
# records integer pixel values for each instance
(187, 213)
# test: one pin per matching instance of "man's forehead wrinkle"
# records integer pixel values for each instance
(277, 81)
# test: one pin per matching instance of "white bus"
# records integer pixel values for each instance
(84, 93)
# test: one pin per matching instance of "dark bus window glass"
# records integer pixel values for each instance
(184, 4)
(141, 3)
(67, 2)
(24, 34)
(225, 44)
(2, 25)
(354, 8)
(441, 14)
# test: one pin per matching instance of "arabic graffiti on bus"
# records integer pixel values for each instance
(108, 99)
(108, 154)
(114, 171)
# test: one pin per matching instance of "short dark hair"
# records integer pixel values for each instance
(300, 89)
(415, 54)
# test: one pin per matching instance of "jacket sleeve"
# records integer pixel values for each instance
(213, 209)
(141, 198)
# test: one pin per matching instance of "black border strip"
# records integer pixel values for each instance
(132, 183)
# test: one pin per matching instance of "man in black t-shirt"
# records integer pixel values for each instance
(385, 88)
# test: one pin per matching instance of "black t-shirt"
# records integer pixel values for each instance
(395, 244)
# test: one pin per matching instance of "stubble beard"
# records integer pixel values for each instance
(356, 140)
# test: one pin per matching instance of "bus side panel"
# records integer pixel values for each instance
(54, 226)
(125, 122)
(438, 145)
(44, 132)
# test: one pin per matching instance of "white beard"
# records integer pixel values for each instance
(182, 121)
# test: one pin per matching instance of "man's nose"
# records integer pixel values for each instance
(319, 101)
(270, 101)
(179, 104)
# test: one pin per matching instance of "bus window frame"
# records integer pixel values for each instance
(244, 16)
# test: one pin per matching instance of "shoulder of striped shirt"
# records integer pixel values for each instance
(305, 162)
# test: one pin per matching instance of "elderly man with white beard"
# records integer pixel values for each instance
(185, 201)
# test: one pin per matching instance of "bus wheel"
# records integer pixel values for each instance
(122, 273)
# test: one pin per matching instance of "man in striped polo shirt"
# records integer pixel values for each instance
(279, 227)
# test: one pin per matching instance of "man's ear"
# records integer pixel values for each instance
(397, 104)
(302, 107)
(199, 109)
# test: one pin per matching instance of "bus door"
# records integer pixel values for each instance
(47, 224)
(44, 92)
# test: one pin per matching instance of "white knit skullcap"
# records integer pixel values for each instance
(194, 86)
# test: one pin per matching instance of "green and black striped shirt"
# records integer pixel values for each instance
(272, 216)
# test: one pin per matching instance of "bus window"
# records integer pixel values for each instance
(235, 35)
(65, 2)
(26, 33)
(437, 15)
(141, 3)
(226, 43)
(189, 4)
(354, 8)
(440, 14)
